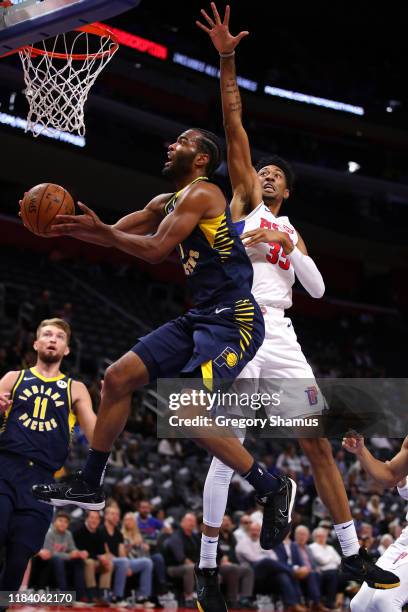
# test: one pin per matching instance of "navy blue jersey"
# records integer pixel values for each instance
(39, 423)
(214, 259)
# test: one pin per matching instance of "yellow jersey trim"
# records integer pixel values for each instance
(210, 227)
(199, 178)
(71, 415)
(175, 196)
(43, 378)
(207, 374)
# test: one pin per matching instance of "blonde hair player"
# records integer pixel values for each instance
(278, 255)
(40, 406)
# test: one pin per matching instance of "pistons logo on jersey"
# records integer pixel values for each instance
(40, 399)
(312, 395)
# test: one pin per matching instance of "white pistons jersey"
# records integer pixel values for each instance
(273, 273)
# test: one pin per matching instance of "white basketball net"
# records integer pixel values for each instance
(57, 89)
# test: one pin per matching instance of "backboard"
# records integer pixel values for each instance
(29, 21)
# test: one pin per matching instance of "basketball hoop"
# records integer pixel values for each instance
(59, 73)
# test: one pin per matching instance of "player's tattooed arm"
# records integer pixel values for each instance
(6, 386)
(246, 187)
(82, 406)
(387, 474)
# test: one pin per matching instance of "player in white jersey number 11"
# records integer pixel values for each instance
(278, 255)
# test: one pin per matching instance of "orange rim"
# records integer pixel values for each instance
(91, 28)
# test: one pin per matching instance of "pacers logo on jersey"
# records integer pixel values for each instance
(40, 398)
(312, 395)
(228, 357)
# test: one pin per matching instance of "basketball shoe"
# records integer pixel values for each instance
(73, 490)
(209, 597)
(362, 568)
(277, 514)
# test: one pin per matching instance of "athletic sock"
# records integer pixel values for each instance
(94, 470)
(347, 536)
(208, 553)
(261, 480)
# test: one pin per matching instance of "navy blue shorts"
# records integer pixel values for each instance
(213, 343)
(23, 519)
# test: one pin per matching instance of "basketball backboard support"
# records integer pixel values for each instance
(30, 21)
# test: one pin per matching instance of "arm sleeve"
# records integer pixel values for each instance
(307, 273)
(403, 491)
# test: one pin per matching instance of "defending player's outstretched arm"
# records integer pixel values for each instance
(197, 202)
(244, 181)
(387, 474)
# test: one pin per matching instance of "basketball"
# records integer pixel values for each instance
(42, 204)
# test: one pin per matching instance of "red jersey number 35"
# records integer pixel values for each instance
(276, 254)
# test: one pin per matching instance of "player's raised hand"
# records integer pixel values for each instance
(353, 443)
(218, 30)
(87, 227)
(5, 402)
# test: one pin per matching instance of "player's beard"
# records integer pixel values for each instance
(49, 357)
(179, 167)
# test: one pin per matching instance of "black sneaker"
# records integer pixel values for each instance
(209, 597)
(362, 568)
(73, 490)
(277, 514)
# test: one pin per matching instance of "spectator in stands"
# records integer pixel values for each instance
(385, 541)
(270, 574)
(245, 523)
(238, 579)
(302, 557)
(116, 550)
(124, 566)
(139, 551)
(90, 538)
(149, 526)
(62, 554)
(170, 448)
(327, 561)
(289, 461)
(375, 508)
(182, 551)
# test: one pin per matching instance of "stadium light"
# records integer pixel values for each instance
(315, 100)
(140, 44)
(20, 123)
(353, 166)
(199, 66)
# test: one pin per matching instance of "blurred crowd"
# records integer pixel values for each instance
(148, 540)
